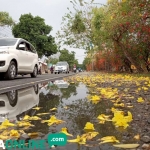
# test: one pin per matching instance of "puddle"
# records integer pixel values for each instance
(72, 105)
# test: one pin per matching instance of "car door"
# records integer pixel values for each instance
(32, 57)
(22, 57)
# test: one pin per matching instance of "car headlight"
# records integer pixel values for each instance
(4, 52)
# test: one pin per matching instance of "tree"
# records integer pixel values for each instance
(53, 60)
(68, 56)
(5, 19)
(76, 26)
(35, 30)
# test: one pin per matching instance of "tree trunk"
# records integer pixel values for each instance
(131, 58)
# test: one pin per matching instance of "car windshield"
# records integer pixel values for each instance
(8, 42)
(60, 64)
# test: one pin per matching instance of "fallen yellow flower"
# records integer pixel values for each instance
(95, 98)
(26, 117)
(5, 133)
(64, 130)
(14, 133)
(52, 120)
(37, 108)
(53, 109)
(89, 127)
(22, 124)
(40, 114)
(90, 135)
(6, 123)
(127, 145)
(140, 100)
(79, 140)
(103, 118)
(120, 120)
(33, 135)
(137, 137)
(35, 118)
(109, 139)
(2, 137)
(119, 105)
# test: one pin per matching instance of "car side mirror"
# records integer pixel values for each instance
(21, 46)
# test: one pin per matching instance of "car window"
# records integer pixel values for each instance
(32, 49)
(19, 47)
(8, 42)
(28, 47)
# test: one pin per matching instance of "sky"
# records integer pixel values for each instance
(51, 10)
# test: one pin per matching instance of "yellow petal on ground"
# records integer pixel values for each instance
(89, 126)
(108, 139)
(5, 133)
(140, 100)
(137, 137)
(37, 108)
(23, 124)
(65, 107)
(64, 130)
(53, 109)
(21, 131)
(14, 133)
(7, 123)
(90, 135)
(130, 106)
(2, 137)
(79, 140)
(33, 135)
(126, 145)
(34, 118)
(2, 127)
(40, 114)
(52, 120)
(26, 117)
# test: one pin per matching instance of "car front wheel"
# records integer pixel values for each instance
(34, 73)
(11, 72)
(13, 97)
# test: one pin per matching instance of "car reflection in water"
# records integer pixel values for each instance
(61, 83)
(15, 104)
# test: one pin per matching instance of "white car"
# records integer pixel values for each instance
(61, 84)
(17, 56)
(61, 67)
(14, 103)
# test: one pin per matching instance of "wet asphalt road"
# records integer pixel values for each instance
(26, 81)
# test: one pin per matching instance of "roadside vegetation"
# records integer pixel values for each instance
(116, 35)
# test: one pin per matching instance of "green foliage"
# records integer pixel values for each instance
(53, 60)
(5, 19)
(80, 66)
(37, 32)
(78, 24)
(86, 61)
(68, 56)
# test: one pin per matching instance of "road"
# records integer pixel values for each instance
(26, 81)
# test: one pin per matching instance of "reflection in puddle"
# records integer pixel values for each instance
(72, 107)
(15, 102)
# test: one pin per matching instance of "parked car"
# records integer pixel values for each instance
(15, 102)
(61, 67)
(61, 84)
(17, 56)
